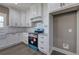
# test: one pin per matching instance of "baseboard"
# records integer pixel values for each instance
(63, 51)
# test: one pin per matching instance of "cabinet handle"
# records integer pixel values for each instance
(42, 42)
(42, 37)
(41, 47)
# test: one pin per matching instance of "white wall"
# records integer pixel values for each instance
(78, 32)
(51, 32)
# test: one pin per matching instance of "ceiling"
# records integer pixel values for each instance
(20, 6)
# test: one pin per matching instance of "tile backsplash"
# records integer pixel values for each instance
(12, 29)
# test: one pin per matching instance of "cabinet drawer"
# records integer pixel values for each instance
(44, 39)
(41, 38)
(43, 49)
(42, 43)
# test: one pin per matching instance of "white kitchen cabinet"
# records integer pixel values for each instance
(19, 18)
(32, 11)
(14, 17)
(11, 17)
(9, 40)
(36, 10)
(13, 38)
(57, 6)
(28, 20)
(25, 38)
(43, 43)
(53, 6)
(25, 19)
(68, 4)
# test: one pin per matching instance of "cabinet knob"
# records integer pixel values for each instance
(41, 47)
(42, 37)
(42, 42)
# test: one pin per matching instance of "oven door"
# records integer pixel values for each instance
(33, 39)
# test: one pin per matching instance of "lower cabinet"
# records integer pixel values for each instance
(9, 40)
(25, 37)
(13, 38)
(43, 44)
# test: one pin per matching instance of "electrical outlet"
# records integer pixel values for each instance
(65, 46)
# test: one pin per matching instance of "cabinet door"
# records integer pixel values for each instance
(69, 4)
(23, 19)
(33, 11)
(18, 19)
(36, 10)
(11, 17)
(28, 20)
(14, 17)
(53, 6)
(25, 38)
(43, 44)
(13, 38)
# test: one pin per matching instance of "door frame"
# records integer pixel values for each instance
(74, 8)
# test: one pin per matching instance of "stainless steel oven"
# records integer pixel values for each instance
(33, 40)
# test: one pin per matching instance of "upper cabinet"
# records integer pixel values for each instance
(25, 19)
(28, 20)
(53, 6)
(66, 4)
(36, 10)
(19, 18)
(14, 17)
(57, 6)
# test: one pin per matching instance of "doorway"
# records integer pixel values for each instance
(65, 31)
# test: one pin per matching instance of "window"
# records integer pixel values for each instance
(1, 21)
